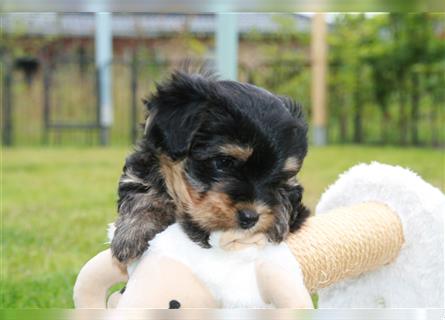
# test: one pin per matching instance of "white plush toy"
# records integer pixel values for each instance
(416, 278)
(237, 270)
(377, 241)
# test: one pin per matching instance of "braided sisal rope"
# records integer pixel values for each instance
(346, 242)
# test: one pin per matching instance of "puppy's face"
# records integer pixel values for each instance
(229, 154)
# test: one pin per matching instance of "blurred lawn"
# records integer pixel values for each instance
(57, 203)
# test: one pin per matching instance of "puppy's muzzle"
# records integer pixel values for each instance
(247, 218)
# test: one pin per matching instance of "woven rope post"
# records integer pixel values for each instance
(346, 242)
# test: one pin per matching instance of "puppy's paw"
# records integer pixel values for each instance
(126, 248)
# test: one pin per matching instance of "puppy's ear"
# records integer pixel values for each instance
(176, 113)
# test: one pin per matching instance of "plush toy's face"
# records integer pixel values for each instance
(229, 153)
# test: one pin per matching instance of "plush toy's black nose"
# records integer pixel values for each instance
(247, 218)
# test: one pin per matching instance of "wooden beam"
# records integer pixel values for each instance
(318, 85)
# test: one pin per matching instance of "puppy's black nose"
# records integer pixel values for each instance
(247, 218)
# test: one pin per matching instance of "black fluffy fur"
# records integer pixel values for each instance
(191, 115)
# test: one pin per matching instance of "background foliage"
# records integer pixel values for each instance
(386, 76)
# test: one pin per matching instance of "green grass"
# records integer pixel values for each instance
(57, 203)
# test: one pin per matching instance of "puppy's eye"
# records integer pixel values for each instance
(223, 163)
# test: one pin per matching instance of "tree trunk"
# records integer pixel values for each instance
(7, 107)
(434, 131)
(415, 108)
(403, 121)
(358, 108)
(437, 102)
(343, 124)
(358, 132)
(386, 118)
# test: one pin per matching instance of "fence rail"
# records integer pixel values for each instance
(57, 102)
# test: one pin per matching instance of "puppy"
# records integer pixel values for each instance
(215, 155)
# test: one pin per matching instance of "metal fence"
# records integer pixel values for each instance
(58, 105)
(55, 102)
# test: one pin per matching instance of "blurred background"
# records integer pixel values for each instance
(372, 87)
(384, 79)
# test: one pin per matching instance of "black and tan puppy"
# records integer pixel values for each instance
(215, 155)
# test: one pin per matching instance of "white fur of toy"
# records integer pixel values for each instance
(230, 275)
(416, 278)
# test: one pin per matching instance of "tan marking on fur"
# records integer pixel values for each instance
(217, 212)
(214, 211)
(291, 164)
(266, 219)
(266, 216)
(177, 187)
(236, 151)
(264, 223)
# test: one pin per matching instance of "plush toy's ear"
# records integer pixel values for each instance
(176, 113)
